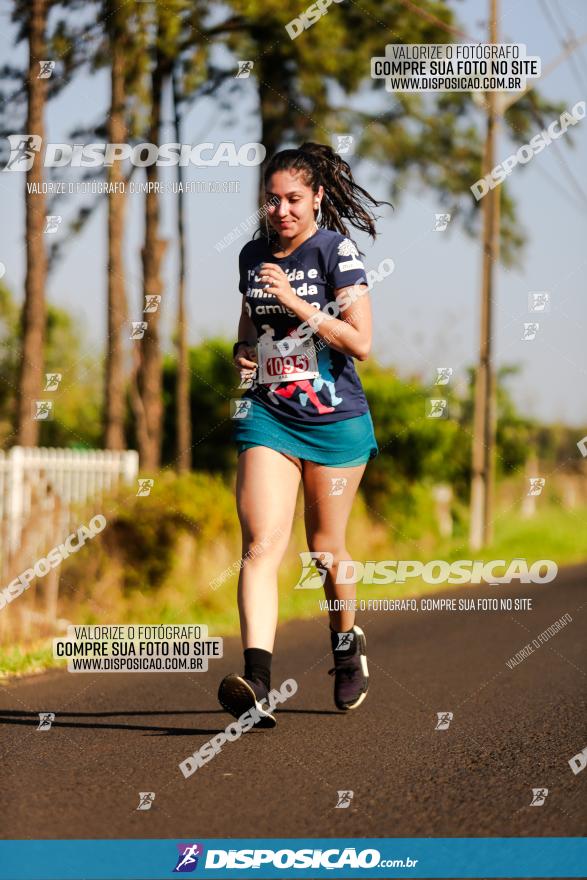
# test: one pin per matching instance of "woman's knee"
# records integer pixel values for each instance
(331, 548)
(264, 546)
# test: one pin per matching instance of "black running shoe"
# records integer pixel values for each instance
(351, 674)
(237, 695)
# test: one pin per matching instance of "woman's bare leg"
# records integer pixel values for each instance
(326, 517)
(266, 492)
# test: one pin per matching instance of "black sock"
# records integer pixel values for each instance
(258, 665)
(343, 647)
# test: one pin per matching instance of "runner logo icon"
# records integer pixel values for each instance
(146, 799)
(338, 484)
(187, 861)
(47, 68)
(344, 799)
(444, 719)
(46, 719)
(539, 795)
(23, 148)
(244, 69)
(314, 569)
(345, 640)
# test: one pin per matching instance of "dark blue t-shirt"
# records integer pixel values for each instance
(323, 263)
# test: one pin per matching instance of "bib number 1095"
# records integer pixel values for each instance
(276, 366)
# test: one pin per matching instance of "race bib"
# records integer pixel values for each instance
(274, 366)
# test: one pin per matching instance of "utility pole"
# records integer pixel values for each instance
(483, 465)
(481, 525)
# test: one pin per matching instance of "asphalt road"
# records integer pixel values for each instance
(512, 730)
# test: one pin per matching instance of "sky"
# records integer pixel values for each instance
(426, 313)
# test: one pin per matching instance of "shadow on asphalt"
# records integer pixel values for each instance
(28, 719)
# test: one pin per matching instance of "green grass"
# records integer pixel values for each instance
(27, 660)
(184, 596)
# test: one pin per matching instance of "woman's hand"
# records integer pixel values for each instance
(245, 356)
(245, 360)
(275, 282)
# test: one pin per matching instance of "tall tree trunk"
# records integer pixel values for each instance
(183, 418)
(114, 380)
(150, 375)
(33, 320)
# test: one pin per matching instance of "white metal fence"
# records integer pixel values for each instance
(74, 475)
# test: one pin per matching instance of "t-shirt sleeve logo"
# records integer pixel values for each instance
(346, 248)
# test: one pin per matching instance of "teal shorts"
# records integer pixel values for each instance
(346, 443)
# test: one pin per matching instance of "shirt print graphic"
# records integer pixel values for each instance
(323, 263)
(306, 388)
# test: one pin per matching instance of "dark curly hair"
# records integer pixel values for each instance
(343, 198)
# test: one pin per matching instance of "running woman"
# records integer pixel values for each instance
(305, 415)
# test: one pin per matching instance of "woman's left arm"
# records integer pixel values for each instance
(350, 333)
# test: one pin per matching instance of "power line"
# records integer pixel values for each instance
(565, 43)
(570, 39)
(561, 189)
(568, 47)
(561, 159)
(437, 21)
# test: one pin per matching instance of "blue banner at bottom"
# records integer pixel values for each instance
(369, 858)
